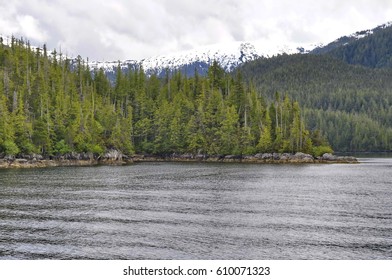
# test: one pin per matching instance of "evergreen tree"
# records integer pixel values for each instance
(265, 142)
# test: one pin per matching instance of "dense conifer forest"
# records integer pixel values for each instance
(52, 105)
(350, 104)
(373, 49)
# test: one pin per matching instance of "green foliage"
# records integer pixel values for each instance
(320, 150)
(95, 149)
(265, 142)
(229, 131)
(10, 148)
(62, 148)
(27, 148)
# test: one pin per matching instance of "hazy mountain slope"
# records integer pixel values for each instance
(370, 48)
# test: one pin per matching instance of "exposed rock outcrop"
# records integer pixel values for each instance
(114, 157)
(69, 159)
(340, 159)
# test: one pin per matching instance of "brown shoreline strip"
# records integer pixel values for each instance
(262, 158)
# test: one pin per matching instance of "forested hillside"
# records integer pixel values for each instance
(370, 48)
(51, 108)
(352, 105)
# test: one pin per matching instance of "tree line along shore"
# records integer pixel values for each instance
(52, 107)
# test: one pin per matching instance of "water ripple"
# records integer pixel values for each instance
(198, 211)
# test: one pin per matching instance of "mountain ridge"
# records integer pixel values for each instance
(228, 56)
(370, 48)
(347, 39)
(231, 55)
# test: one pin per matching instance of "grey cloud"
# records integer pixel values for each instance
(137, 29)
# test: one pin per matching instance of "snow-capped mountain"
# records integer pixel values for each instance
(229, 56)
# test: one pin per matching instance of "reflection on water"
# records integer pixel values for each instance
(198, 211)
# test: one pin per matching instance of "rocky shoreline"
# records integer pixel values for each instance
(257, 158)
(114, 157)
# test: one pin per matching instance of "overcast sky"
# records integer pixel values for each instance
(135, 29)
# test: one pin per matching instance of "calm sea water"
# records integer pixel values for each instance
(198, 211)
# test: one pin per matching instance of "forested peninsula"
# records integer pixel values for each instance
(56, 111)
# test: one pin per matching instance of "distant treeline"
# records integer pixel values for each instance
(350, 104)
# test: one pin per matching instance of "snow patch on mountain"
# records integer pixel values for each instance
(109, 66)
(229, 56)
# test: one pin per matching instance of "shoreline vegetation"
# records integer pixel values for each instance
(57, 111)
(116, 158)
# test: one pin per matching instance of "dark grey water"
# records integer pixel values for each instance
(198, 211)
